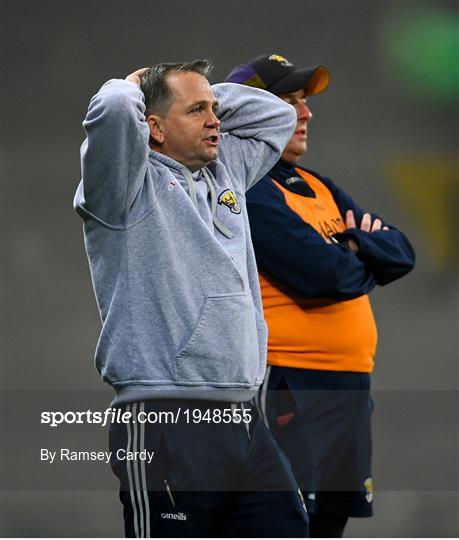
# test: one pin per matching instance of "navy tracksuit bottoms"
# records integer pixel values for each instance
(203, 469)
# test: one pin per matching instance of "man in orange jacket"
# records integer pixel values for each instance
(318, 255)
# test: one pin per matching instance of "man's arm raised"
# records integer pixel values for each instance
(115, 153)
(256, 126)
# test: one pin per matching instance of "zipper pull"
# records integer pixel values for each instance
(302, 500)
(169, 493)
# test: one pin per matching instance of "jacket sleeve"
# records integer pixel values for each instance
(294, 253)
(387, 254)
(115, 153)
(256, 126)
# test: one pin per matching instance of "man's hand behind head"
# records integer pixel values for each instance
(136, 75)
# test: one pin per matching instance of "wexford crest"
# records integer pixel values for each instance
(228, 198)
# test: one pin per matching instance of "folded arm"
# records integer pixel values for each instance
(385, 250)
(294, 253)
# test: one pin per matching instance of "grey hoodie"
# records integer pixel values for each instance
(170, 253)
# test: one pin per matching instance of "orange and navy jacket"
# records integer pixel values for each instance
(315, 292)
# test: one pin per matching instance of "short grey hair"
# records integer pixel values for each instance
(158, 95)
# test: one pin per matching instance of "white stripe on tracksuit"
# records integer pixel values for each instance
(137, 482)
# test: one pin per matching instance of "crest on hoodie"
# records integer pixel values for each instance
(228, 198)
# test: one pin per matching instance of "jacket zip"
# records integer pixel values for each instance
(169, 493)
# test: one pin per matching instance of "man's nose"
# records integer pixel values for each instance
(303, 112)
(212, 120)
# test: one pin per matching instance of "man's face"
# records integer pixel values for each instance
(190, 128)
(298, 144)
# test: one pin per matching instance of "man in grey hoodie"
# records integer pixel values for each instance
(165, 166)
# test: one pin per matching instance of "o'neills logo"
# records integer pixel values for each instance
(180, 516)
(228, 198)
(293, 180)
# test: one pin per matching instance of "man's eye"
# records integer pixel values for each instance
(196, 109)
(296, 101)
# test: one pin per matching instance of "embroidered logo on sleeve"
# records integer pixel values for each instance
(228, 198)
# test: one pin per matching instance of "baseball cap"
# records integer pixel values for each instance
(276, 74)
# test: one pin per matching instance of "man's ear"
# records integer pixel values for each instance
(156, 129)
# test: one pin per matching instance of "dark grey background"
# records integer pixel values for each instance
(372, 123)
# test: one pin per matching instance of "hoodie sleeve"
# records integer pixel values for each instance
(256, 126)
(387, 254)
(115, 152)
(294, 253)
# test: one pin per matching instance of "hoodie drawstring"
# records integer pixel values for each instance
(213, 204)
(191, 187)
(213, 197)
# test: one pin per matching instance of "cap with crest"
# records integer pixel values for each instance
(276, 74)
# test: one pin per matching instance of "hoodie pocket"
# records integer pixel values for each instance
(226, 346)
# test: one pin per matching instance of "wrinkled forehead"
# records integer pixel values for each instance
(190, 87)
